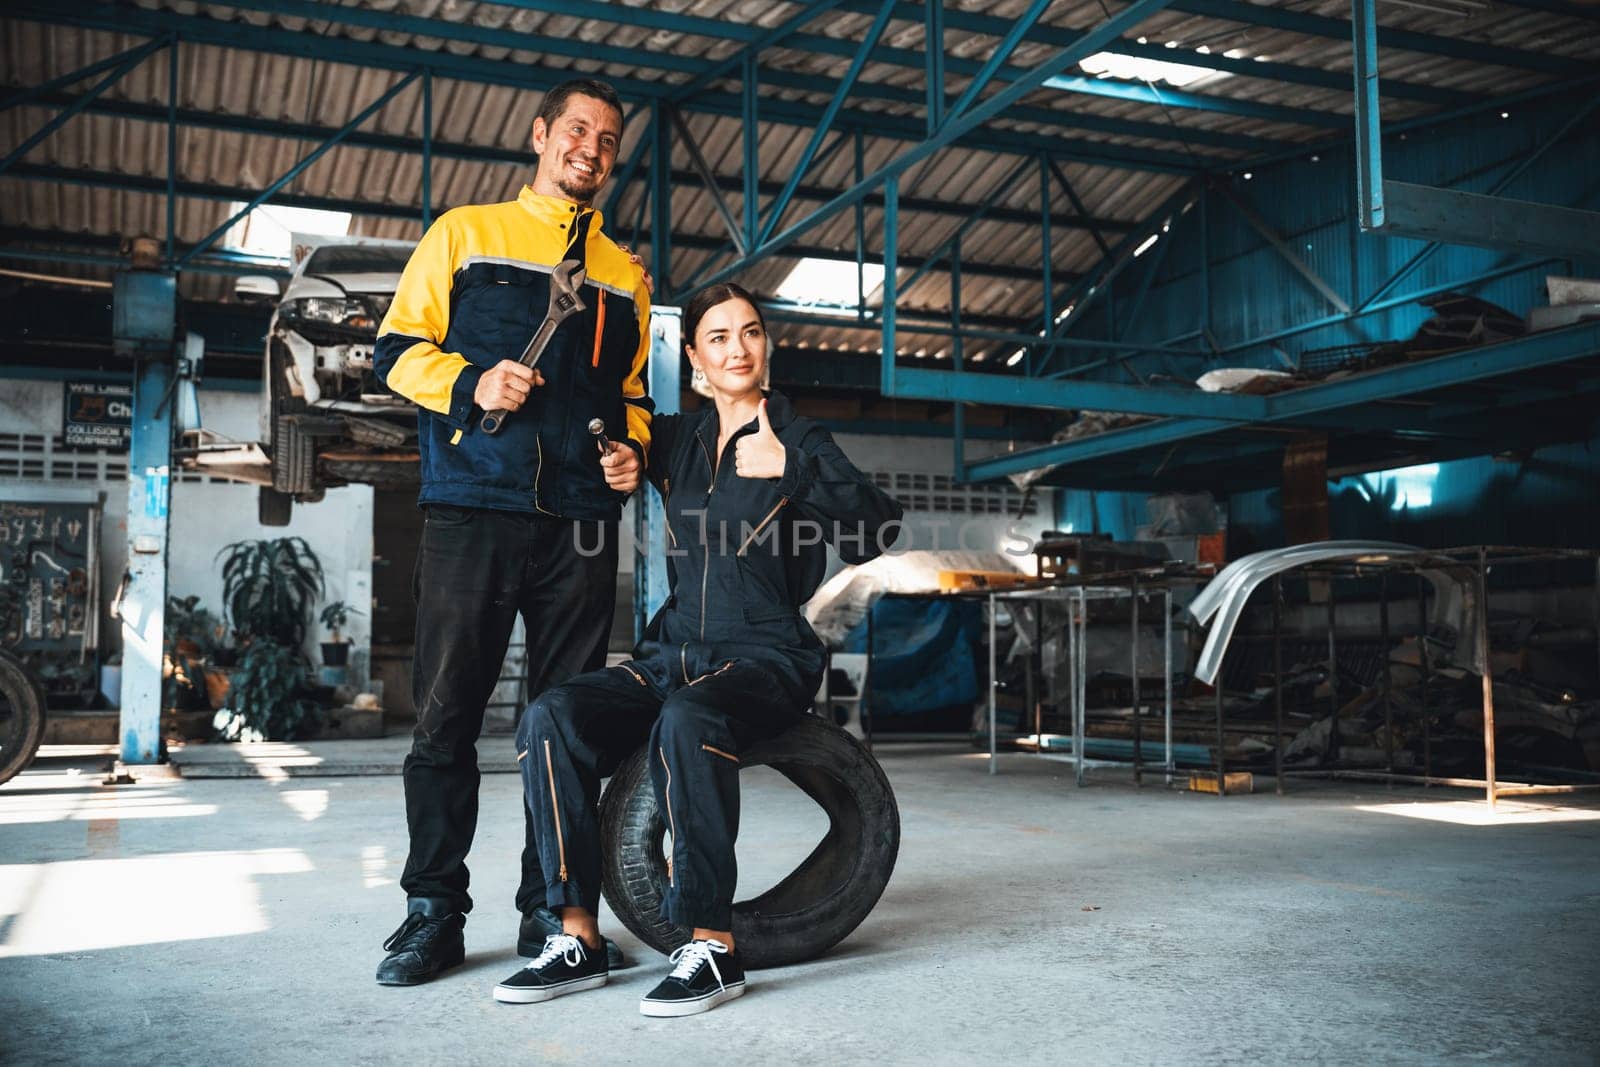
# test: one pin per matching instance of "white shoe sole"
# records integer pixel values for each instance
(535, 995)
(676, 1009)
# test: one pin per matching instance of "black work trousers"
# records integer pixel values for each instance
(696, 708)
(477, 569)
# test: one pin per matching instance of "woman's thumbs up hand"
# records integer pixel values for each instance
(760, 454)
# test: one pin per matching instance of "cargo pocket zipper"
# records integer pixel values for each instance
(719, 752)
(555, 805)
(672, 826)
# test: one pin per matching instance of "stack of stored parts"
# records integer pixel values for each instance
(1571, 300)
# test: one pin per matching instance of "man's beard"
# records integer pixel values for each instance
(581, 193)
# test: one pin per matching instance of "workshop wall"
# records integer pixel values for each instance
(206, 513)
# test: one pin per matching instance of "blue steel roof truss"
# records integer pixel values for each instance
(994, 86)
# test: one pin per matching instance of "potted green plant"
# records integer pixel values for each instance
(336, 616)
(268, 590)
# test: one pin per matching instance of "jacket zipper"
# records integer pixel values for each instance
(705, 574)
(636, 675)
(719, 752)
(599, 325)
(550, 775)
(671, 825)
(761, 526)
(538, 470)
(666, 510)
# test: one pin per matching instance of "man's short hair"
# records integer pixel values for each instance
(555, 101)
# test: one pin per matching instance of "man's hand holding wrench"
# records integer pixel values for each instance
(512, 381)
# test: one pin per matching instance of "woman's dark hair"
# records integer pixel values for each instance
(554, 104)
(710, 297)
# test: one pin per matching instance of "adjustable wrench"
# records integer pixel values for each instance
(566, 281)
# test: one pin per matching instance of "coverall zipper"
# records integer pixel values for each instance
(719, 752)
(666, 511)
(550, 775)
(705, 573)
(761, 526)
(672, 826)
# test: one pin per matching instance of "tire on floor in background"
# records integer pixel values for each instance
(21, 716)
(817, 904)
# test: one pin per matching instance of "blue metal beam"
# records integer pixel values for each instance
(831, 112)
(750, 127)
(1247, 66)
(1454, 217)
(1369, 115)
(1130, 16)
(1504, 182)
(1015, 390)
(121, 19)
(130, 60)
(983, 209)
(752, 48)
(933, 60)
(661, 197)
(1077, 205)
(306, 161)
(32, 93)
(1279, 245)
(1489, 361)
(1283, 18)
(708, 179)
(997, 58)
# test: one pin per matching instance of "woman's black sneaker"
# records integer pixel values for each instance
(540, 923)
(422, 948)
(565, 966)
(706, 974)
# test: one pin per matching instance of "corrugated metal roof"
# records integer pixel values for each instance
(227, 81)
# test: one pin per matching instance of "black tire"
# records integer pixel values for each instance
(817, 904)
(294, 457)
(273, 508)
(21, 716)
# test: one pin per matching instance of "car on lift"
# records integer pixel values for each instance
(326, 419)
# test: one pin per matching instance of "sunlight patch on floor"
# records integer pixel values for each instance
(86, 905)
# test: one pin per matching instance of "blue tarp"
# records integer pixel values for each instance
(922, 654)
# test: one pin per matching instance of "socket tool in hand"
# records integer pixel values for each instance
(598, 428)
(565, 301)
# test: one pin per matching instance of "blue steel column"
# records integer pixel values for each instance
(933, 57)
(958, 422)
(650, 541)
(427, 150)
(861, 233)
(1369, 117)
(891, 235)
(750, 106)
(1045, 257)
(172, 150)
(661, 199)
(144, 314)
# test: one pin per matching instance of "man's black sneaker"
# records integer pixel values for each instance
(565, 966)
(707, 974)
(540, 923)
(422, 948)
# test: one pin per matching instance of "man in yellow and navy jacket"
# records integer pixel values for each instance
(520, 521)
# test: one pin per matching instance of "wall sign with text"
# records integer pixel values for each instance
(98, 415)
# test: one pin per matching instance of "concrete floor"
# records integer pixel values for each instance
(199, 921)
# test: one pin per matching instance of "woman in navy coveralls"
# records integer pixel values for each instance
(751, 493)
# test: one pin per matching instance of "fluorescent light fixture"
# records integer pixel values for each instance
(1139, 69)
(267, 230)
(1144, 246)
(1016, 357)
(828, 281)
(1064, 312)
